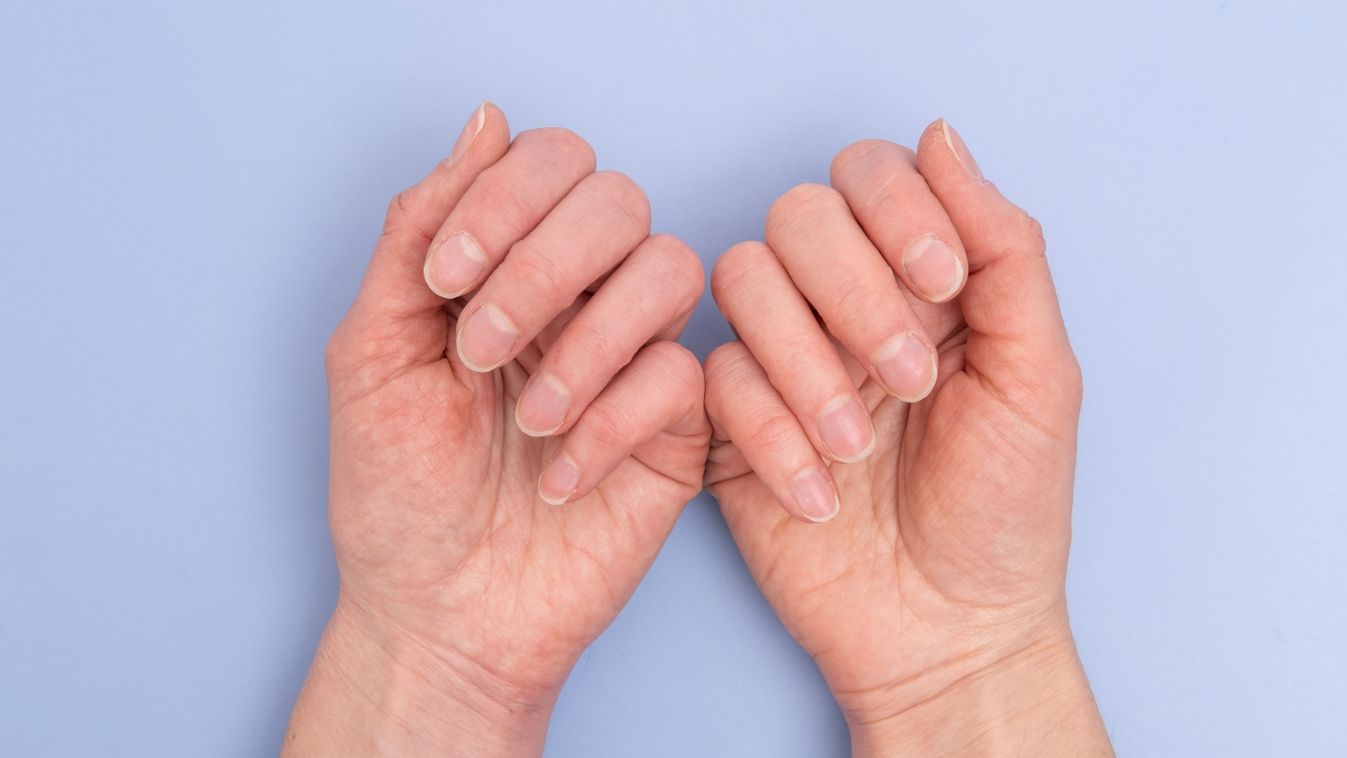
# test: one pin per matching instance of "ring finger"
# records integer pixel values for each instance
(772, 318)
(589, 232)
(648, 297)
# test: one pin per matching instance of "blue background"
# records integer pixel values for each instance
(189, 192)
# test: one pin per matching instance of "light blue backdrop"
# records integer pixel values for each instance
(189, 192)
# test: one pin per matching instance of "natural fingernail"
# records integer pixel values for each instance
(543, 407)
(960, 150)
(906, 366)
(815, 496)
(559, 480)
(486, 339)
(454, 264)
(846, 430)
(933, 268)
(470, 130)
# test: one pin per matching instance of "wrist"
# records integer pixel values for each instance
(374, 690)
(1035, 701)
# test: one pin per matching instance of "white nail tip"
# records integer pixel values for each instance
(552, 501)
(949, 142)
(958, 281)
(481, 117)
(837, 508)
(858, 457)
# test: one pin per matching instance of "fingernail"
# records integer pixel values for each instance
(486, 339)
(470, 130)
(845, 428)
(543, 407)
(454, 264)
(960, 150)
(815, 496)
(559, 480)
(933, 268)
(907, 367)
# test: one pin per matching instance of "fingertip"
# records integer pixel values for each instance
(942, 149)
(933, 269)
(495, 126)
(906, 367)
(559, 481)
(543, 406)
(453, 265)
(816, 498)
(492, 114)
(488, 333)
(846, 430)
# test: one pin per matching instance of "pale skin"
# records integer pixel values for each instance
(514, 433)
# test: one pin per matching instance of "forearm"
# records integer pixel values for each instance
(371, 692)
(1036, 702)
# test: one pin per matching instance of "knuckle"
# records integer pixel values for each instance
(610, 425)
(399, 213)
(863, 153)
(591, 345)
(1033, 234)
(802, 204)
(1045, 385)
(397, 208)
(567, 144)
(678, 363)
(724, 366)
(1072, 379)
(498, 200)
(1023, 235)
(1013, 233)
(681, 267)
(725, 360)
(770, 429)
(800, 359)
(335, 350)
(853, 309)
(625, 195)
(534, 273)
(735, 265)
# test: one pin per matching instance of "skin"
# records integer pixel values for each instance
(896, 470)
(916, 549)
(466, 595)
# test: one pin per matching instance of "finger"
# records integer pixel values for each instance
(588, 233)
(1018, 338)
(844, 277)
(531, 357)
(891, 201)
(744, 407)
(648, 297)
(505, 203)
(393, 288)
(660, 390)
(772, 318)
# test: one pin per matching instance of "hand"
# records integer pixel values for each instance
(510, 347)
(933, 426)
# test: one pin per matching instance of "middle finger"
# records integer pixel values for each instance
(848, 282)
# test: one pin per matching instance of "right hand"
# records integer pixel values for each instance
(930, 420)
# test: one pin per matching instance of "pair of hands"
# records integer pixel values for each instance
(903, 374)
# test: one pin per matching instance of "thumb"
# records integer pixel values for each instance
(396, 318)
(1018, 341)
